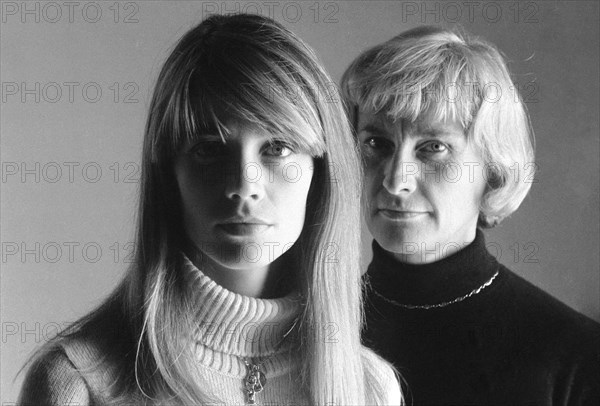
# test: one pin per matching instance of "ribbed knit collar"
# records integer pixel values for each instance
(435, 282)
(242, 326)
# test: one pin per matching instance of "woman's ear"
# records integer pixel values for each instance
(487, 221)
(496, 178)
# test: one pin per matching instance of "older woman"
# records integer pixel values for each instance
(448, 152)
(246, 285)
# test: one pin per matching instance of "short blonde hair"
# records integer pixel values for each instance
(451, 75)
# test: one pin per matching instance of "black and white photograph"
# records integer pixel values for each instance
(303, 202)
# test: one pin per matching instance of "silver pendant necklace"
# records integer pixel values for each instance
(255, 380)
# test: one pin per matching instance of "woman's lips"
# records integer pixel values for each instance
(401, 214)
(243, 229)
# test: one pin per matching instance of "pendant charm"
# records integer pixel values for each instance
(254, 382)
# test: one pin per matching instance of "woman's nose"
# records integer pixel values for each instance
(400, 174)
(244, 180)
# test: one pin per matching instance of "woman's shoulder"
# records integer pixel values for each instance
(53, 379)
(565, 341)
(81, 366)
(381, 377)
(536, 305)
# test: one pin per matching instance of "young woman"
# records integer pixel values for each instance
(246, 287)
(447, 152)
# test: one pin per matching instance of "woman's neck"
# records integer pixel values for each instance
(264, 282)
(427, 252)
(230, 326)
(436, 282)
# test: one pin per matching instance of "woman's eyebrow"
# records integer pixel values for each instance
(208, 135)
(201, 137)
(441, 132)
(373, 129)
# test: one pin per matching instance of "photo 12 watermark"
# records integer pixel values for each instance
(90, 172)
(460, 12)
(31, 332)
(69, 12)
(69, 172)
(326, 12)
(91, 252)
(525, 252)
(69, 92)
(53, 252)
(468, 172)
(468, 92)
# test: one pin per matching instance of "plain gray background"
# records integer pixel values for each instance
(70, 154)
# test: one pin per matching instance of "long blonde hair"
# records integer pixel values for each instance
(250, 68)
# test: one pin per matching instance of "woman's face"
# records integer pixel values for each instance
(423, 185)
(244, 201)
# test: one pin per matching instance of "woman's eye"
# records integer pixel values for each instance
(278, 149)
(209, 149)
(377, 143)
(435, 147)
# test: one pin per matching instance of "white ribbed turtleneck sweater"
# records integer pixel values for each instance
(231, 328)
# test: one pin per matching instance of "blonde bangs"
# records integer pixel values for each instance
(415, 80)
(252, 91)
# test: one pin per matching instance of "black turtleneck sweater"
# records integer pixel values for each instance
(509, 344)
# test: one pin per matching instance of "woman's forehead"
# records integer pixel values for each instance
(429, 121)
(235, 130)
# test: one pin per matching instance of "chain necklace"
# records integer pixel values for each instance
(442, 304)
(255, 380)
